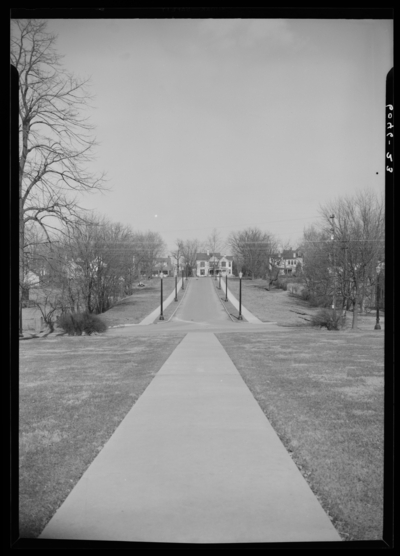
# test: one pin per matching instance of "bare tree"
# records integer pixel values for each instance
(99, 264)
(55, 137)
(359, 227)
(340, 263)
(252, 249)
(147, 247)
(177, 253)
(215, 244)
(190, 249)
(317, 267)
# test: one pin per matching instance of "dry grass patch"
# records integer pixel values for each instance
(286, 308)
(134, 308)
(326, 404)
(271, 306)
(74, 392)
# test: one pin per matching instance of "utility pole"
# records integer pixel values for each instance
(345, 247)
(334, 267)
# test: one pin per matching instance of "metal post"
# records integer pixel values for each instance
(226, 287)
(345, 281)
(161, 313)
(334, 268)
(240, 297)
(377, 325)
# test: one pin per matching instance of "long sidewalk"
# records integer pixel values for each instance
(195, 461)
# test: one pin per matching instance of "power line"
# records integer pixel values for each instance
(235, 226)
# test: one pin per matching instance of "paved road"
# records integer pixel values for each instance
(201, 304)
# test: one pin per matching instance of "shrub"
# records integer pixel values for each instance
(77, 323)
(281, 284)
(305, 294)
(325, 318)
(316, 300)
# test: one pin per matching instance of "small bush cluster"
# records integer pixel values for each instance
(282, 285)
(325, 319)
(75, 324)
(306, 294)
(316, 300)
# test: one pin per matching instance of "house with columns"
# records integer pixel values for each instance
(211, 264)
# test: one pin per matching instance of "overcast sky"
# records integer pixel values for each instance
(231, 123)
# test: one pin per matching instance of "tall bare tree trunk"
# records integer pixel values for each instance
(21, 254)
(355, 309)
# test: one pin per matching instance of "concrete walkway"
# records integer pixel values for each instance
(196, 461)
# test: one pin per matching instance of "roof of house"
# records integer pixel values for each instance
(205, 257)
(290, 254)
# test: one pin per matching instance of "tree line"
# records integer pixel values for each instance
(344, 254)
(89, 266)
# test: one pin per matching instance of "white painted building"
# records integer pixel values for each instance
(210, 264)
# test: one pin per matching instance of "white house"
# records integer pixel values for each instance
(208, 264)
(286, 261)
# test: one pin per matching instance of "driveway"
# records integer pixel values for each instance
(201, 304)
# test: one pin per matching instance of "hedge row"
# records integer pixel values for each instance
(75, 324)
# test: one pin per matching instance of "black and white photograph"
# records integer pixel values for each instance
(200, 277)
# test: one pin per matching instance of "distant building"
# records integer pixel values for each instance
(210, 264)
(164, 265)
(286, 260)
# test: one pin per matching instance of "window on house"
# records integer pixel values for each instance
(202, 263)
(230, 263)
(202, 272)
(223, 264)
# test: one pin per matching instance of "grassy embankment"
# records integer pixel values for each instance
(285, 308)
(134, 308)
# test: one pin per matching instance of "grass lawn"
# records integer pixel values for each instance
(275, 305)
(284, 307)
(323, 394)
(134, 308)
(74, 392)
(227, 304)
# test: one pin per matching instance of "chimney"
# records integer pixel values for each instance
(208, 253)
